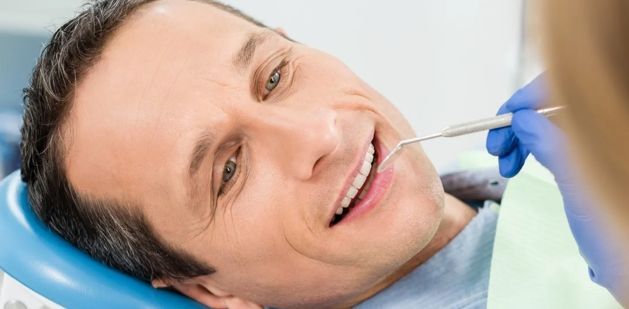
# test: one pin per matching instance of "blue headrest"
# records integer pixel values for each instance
(52, 267)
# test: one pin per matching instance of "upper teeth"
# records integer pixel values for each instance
(359, 180)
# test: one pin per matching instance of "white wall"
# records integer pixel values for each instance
(440, 61)
(35, 16)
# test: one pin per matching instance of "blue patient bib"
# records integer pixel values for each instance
(455, 277)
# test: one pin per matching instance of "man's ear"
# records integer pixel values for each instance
(207, 294)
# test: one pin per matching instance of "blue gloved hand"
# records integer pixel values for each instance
(531, 133)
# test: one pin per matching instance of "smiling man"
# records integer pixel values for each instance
(188, 145)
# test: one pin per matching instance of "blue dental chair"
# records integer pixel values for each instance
(51, 267)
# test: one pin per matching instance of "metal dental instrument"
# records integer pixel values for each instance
(465, 128)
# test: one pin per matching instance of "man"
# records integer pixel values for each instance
(188, 145)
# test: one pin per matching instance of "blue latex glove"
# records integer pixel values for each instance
(531, 133)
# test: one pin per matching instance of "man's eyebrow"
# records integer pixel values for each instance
(199, 152)
(203, 144)
(246, 52)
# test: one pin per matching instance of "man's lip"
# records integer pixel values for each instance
(349, 177)
(380, 185)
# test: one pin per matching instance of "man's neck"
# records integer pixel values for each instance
(456, 216)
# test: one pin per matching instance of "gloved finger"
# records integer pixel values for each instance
(500, 141)
(542, 138)
(531, 96)
(511, 163)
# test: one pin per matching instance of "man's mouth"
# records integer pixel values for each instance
(359, 186)
(365, 187)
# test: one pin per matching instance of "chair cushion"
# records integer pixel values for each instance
(52, 267)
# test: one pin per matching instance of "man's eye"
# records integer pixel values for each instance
(229, 170)
(273, 80)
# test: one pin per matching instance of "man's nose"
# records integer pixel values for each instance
(297, 139)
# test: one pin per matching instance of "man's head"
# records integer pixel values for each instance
(188, 145)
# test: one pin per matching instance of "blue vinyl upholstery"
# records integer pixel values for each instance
(52, 267)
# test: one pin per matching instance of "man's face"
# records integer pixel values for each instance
(279, 132)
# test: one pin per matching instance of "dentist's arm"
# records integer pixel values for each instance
(531, 133)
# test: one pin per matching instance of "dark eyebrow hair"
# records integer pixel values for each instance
(202, 145)
(199, 151)
(246, 52)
